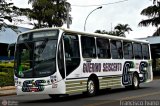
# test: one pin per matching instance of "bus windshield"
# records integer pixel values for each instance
(35, 58)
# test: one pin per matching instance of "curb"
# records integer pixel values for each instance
(7, 94)
(7, 88)
(156, 77)
(7, 91)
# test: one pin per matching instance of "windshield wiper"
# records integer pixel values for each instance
(43, 45)
(27, 46)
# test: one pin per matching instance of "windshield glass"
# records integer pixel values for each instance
(35, 58)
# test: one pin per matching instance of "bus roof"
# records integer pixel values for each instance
(87, 34)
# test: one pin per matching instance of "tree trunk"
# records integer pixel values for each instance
(39, 24)
(49, 24)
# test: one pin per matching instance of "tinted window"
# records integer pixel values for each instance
(72, 55)
(38, 34)
(116, 49)
(145, 51)
(35, 59)
(61, 59)
(137, 50)
(103, 48)
(88, 47)
(128, 50)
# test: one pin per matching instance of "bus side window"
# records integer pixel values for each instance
(128, 50)
(88, 47)
(137, 50)
(145, 51)
(72, 55)
(116, 49)
(103, 48)
(61, 59)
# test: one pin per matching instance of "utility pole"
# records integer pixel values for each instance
(68, 21)
(111, 27)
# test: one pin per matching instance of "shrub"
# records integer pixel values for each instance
(7, 77)
(6, 65)
(6, 73)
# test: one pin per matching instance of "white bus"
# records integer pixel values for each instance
(57, 61)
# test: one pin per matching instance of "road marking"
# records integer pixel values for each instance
(125, 98)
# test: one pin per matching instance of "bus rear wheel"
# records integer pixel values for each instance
(91, 87)
(135, 81)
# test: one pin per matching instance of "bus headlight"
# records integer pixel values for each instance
(18, 83)
(49, 82)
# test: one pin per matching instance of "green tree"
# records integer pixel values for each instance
(153, 14)
(101, 31)
(119, 30)
(7, 12)
(49, 13)
(155, 1)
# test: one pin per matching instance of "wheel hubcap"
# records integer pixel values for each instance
(135, 81)
(91, 87)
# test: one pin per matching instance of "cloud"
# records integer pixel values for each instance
(21, 3)
(109, 16)
(127, 12)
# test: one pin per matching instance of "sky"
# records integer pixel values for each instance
(108, 17)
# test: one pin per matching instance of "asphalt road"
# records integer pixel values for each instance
(147, 95)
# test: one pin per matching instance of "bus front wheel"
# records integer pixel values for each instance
(53, 96)
(91, 87)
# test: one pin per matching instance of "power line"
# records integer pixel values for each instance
(100, 4)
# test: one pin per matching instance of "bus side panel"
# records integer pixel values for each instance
(110, 72)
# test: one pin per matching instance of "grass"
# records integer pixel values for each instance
(6, 65)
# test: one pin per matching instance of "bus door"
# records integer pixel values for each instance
(61, 65)
(71, 53)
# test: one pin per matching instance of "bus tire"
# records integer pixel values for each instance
(135, 81)
(128, 87)
(54, 97)
(91, 87)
